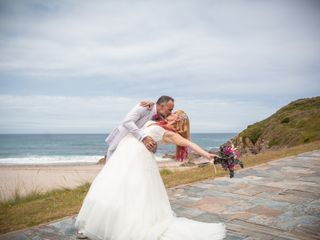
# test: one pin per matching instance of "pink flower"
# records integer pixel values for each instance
(236, 152)
(228, 150)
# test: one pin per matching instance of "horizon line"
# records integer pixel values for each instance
(93, 133)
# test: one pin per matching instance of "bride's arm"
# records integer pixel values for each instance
(175, 138)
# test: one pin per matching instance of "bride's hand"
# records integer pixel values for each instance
(210, 156)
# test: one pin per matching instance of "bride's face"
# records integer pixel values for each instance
(172, 117)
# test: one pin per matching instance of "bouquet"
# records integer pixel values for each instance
(228, 158)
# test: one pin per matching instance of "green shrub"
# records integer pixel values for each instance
(285, 120)
(274, 142)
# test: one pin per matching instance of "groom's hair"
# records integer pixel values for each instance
(164, 99)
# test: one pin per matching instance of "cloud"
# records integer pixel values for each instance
(262, 53)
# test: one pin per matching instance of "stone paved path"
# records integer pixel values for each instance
(277, 200)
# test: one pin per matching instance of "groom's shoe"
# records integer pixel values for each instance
(80, 235)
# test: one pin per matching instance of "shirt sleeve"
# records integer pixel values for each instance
(130, 120)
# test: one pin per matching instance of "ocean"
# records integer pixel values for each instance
(79, 148)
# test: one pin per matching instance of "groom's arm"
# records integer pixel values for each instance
(130, 120)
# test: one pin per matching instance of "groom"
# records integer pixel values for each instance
(134, 121)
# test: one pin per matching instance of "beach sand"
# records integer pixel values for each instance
(25, 179)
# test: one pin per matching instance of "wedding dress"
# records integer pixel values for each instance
(127, 200)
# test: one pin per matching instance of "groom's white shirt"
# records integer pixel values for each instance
(132, 123)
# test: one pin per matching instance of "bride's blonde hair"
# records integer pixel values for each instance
(183, 128)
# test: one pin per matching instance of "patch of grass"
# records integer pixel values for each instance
(165, 172)
(38, 208)
(192, 175)
(285, 120)
(272, 154)
(306, 140)
(273, 142)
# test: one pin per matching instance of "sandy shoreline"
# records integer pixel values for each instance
(27, 178)
(43, 177)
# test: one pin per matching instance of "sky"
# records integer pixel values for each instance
(80, 66)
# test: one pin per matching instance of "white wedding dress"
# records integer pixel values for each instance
(128, 201)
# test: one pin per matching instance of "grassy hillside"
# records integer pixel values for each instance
(294, 124)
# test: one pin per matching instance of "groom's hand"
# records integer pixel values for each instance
(154, 149)
(150, 144)
(147, 104)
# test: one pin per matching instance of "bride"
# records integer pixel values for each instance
(127, 200)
